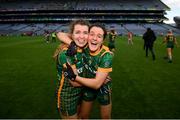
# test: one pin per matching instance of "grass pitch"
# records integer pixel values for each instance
(142, 88)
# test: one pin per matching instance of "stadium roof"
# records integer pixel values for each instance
(84, 4)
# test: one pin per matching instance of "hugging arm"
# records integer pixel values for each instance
(64, 37)
(94, 83)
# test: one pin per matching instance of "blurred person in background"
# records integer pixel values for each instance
(149, 38)
(130, 38)
(170, 41)
(112, 37)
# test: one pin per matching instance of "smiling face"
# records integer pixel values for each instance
(80, 35)
(95, 39)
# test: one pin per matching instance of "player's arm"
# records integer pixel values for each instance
(165, 40)
(94, 83)
(75, 84)
(64, 37)
(175, 41)
(105, 67)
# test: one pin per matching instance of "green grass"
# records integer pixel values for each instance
(142, 88)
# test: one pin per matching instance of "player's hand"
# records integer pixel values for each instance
(72, 49)
(69, 73)
(108, 79)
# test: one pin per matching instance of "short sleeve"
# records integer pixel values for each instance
(105, 64)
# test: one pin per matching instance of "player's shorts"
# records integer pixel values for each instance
(103, 94)
(70, 98)
(170, 45)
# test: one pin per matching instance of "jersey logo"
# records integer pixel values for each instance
(80, 70)
(90, 62)
(107, 64)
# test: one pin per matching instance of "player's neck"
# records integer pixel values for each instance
(94, 53)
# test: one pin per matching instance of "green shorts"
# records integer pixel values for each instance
(70, 98)
(170, 45)
(103, 94)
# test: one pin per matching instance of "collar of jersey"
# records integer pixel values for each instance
(96, 52)
(79, 49)
(65, 48)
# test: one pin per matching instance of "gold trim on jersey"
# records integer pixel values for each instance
(98, 51)
(60, 88)
(73, 66)
(59, 92)
(64, 65)
(79, 50)
(104, 69)
(65, 48)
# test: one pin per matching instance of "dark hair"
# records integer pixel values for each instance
(113, 31)
(148, 29)
(170, 31)
(78, 22)
(99, 25)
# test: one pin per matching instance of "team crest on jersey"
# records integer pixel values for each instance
(106, 64)
(90, 62)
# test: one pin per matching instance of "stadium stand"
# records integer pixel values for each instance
(93, 10)
(34, 29)
(31, 16)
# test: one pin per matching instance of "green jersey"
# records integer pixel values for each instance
(170, 41)
(111, 43)
(75, 61)
(112, 37)
(53, 34)
(97, 62)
